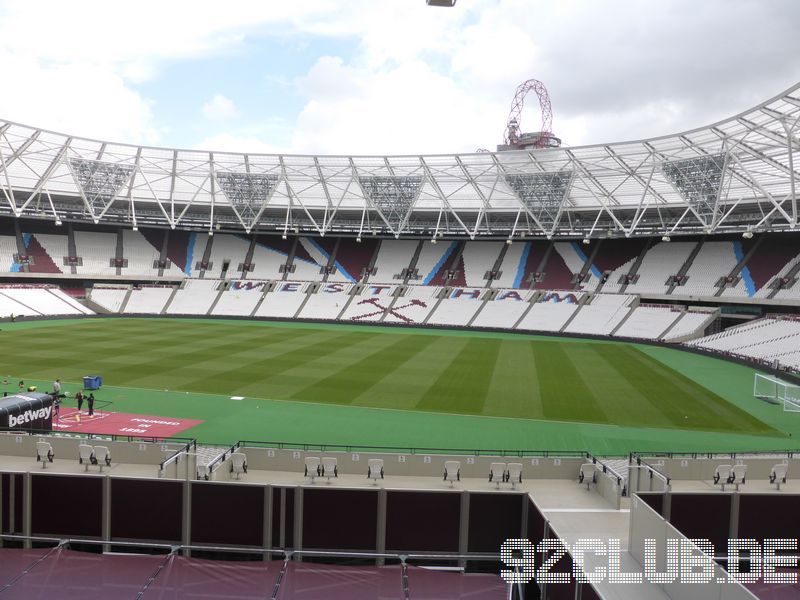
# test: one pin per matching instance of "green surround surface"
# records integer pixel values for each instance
(403, 387)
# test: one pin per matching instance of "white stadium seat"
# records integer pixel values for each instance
(375, 469)
(313, 467)
(44, 453)
(452, 471)
(238, 464)
(778, 475)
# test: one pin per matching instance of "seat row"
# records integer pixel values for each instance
(87, 455)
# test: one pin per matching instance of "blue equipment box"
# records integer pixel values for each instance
(92, 382)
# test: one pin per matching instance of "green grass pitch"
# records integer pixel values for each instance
(323, 383)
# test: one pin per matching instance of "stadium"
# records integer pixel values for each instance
(329, 374)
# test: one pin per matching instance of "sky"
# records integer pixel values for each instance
(386, 76)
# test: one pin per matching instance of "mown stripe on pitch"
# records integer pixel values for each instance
(565, 395)
(211, 356)
(404, 386)
(264, 371)
(711, 411)
(462, 386)
(365, 374)
(513, 390)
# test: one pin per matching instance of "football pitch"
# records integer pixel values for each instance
(392, 387)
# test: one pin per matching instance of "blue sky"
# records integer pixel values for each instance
(386, 76)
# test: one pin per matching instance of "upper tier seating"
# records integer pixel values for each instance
(602, 315)
(148, 299)
(195, 297)
(140, 254)
(551, 311)
(575, 258)
(8, 248)
(648, 322)
(310, 259)
(458, 307)
(504, 310)
(478, 258)
(54, 248)
(268, 256)
(661, 261)
(240, 299)
(393, 257)
(512, 266)
(96, 251)
(714, 261)
(226, 250)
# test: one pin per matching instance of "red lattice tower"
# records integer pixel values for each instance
(513, 125)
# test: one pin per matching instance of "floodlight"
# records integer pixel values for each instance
(135, 228)
(433, 241)
(747, 234)
(509, 241)
(585, 241)
(358, 239)
(665, 238)
(58, 221)
(443, 3)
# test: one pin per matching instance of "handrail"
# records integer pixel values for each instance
(657, 472)
(214, 464)
(606, 468)
(406, 449)
(175, 457)
(779, 453)
(101, 436)
(288, 552)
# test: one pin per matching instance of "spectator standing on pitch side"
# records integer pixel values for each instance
(79, 398)
(57, 388)
(90, 403)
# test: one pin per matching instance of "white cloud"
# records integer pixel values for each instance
(220, 107)
(76, 98)
(419, 79)
(233, 142)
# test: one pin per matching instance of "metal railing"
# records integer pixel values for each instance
(407, 449)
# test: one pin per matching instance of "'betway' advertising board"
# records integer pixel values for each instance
(29, 411)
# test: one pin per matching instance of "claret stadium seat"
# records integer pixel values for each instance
(238, 464)
(375, 469)
(514, 474)
(498, 473)
(588, 474)
(313, 468)
(452, 471)
(778, 474)
(329, 467)
(86, 455)
(44, 453)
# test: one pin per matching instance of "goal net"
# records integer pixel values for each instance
(776, 391)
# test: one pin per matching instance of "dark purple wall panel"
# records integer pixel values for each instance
(340, 519)
(769, 516)
(423, 521)
(66, 505)
(702, 516)
(227, 515)
(493, 518)
(146, 510)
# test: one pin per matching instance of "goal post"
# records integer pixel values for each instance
(776, 391)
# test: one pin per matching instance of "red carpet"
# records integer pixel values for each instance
(120, 423)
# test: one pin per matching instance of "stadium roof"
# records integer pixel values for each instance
(735, 175)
